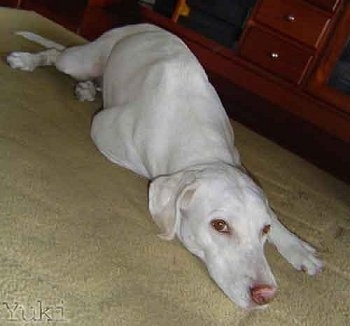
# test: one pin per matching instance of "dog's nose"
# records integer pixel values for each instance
(262, 294)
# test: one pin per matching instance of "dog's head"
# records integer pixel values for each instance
(223, 217)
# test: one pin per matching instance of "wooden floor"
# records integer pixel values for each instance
(283, 128)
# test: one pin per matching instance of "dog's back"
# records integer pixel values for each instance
(161, 113)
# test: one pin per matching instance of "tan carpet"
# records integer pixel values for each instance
(76, 236)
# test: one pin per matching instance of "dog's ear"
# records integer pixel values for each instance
(168, 197)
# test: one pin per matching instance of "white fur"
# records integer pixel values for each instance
(163, 120)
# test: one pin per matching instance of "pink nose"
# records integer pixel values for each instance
(262, 294)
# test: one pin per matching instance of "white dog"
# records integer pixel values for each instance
(163, 120)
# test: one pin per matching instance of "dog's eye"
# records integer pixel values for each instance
(220, 226)
(266, 229)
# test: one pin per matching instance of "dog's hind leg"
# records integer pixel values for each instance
(84, 62)
(78, 61)
(84, 70)
(29, 61)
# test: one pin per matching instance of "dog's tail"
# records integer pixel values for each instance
(41, 40)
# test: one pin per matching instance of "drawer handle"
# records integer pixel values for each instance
(290, 18)
(274, 55)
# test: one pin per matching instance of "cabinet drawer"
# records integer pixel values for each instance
(329, 5)
(295, 18)
(275, 54)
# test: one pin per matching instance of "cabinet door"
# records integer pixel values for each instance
(331, 80)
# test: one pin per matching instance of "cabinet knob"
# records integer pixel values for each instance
(274, 55)
(290, 18)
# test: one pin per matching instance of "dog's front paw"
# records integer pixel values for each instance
(21, 60)
(85, 91)
(302, 256)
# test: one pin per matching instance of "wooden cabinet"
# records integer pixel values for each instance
(318, 33)
(300, 42)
